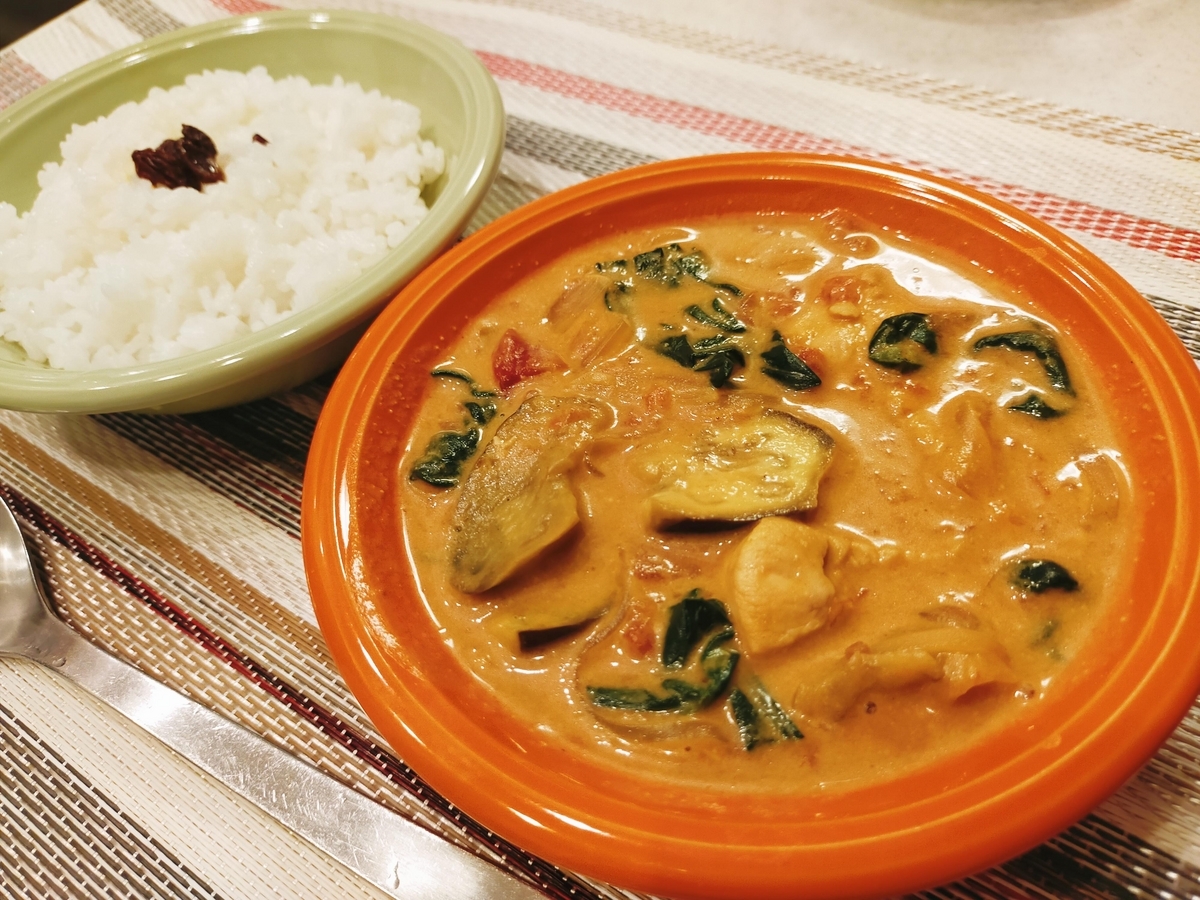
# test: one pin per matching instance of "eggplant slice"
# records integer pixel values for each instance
(769, 465)
(518, 500)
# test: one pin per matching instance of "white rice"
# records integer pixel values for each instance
(106, 270)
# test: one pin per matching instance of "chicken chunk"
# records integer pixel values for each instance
(780, 590)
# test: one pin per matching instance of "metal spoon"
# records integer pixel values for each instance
(388, 850)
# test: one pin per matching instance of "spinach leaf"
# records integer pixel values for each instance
(691, 619)
(720, 365)
(720, 318)
(481, 413)
(1035, 406)
(715, 355)
(442, 463)
(1040, 575)
(613, 267)
(898, 342)
(786, 367)
(769, 707)
(756, 714)
(1043, 346)
(717, 662)
(677, 348)
(759, 717)
(476, 391)
(668, 265)
(633, 698)
(745, 717)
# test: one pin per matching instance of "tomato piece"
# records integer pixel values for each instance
(515, 359)
(814, 359)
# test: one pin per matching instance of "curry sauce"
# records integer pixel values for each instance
(777, 501)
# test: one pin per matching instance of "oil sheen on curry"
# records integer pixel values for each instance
(773, 501)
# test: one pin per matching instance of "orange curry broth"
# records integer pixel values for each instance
(934, 490)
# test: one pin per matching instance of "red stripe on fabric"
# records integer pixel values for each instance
(242, 7)
(17, 78)
(551, 881)
(1076, 215)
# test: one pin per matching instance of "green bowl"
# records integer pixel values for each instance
(461, 111)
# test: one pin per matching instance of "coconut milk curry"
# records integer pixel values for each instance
(771, 502)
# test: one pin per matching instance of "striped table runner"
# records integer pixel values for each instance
(172, 541)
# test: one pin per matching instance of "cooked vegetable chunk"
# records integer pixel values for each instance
(959, 659)
(545, 616)
(769, 465)
(517, 500)
(780, 590)
(515, 360)
(968, 657)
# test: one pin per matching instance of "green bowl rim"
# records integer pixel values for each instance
(32, 388)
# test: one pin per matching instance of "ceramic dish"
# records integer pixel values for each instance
(461, 111)
(970, 810)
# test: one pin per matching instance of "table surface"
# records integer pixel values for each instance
(1081, 112)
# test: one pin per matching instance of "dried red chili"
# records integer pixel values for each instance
(190, 161)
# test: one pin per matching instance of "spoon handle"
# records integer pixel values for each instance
(388, 850)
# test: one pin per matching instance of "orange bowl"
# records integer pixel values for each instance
(968, 811)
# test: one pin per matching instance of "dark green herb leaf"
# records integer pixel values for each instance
(613, 267)
(718, 665)
(1040, 575)
(685, 690)
(1043, 346)
(677, 348)
(453, 373)
(714, 355)
(668, 265)
(476, 391)
(759, 717)
(444, 456)
(720, 318)
(632, 698)
(691, 619)
(1035, 406)
(651, 264)
(482, 413)
(745, 717)
(898, 342)
(776, 714)
(786, 367)
(720, 365)
(692, 264)
(713, 343)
